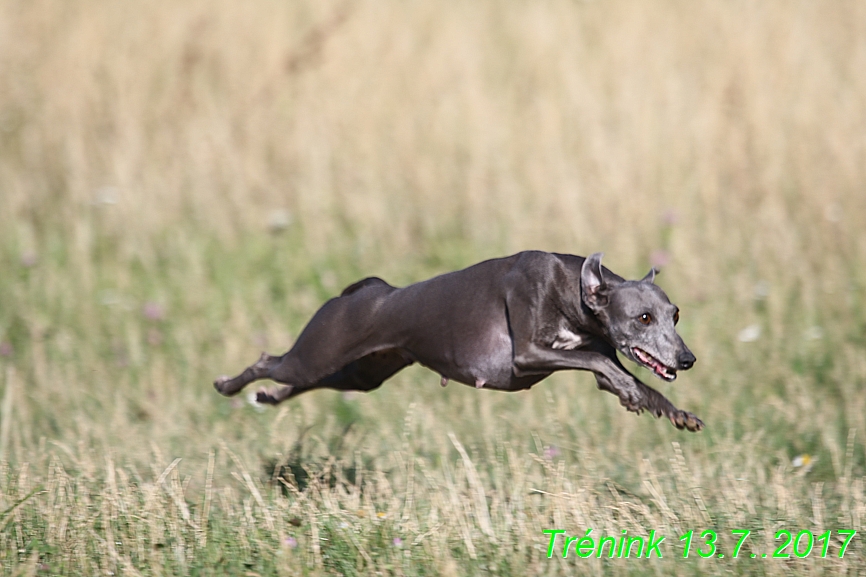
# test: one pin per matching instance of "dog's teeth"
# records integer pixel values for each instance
(656, 365)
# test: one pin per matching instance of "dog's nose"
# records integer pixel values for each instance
(686, 359)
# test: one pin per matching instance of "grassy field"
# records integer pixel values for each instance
(183, 183)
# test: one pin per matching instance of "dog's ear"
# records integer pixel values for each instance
(650, 276)
(593, 288)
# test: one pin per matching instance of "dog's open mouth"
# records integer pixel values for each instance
(659, 368)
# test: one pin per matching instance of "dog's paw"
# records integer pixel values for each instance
(632, 400)
(220, 384)
(686, 420)
(273, 396)
(264, 397)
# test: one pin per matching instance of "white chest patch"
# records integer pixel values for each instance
(567, 340)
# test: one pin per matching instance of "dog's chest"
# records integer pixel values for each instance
(566, 339)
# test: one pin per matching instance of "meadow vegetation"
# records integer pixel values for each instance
(183, 183)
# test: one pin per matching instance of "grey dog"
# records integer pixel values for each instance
(501, 324)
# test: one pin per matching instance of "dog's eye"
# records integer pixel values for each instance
(676, 317)
(646, 318)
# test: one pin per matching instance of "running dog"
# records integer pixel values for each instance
(502, 324)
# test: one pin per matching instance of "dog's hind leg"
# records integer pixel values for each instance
(261, 369)
(344, 330)
(277, 394)
(364, 374)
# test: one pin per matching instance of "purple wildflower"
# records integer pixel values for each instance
(29, 259)
(670, 217)
(153, 311)
(551, 452)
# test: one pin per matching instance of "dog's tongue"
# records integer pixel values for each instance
(663, 371)
(659, 368)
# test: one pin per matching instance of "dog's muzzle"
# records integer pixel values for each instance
(660, 369)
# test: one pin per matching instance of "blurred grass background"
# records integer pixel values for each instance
(183, 183)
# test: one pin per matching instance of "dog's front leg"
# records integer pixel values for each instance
(650, 399)
(535, 359)
(654, 402)
(529, 316)
(611, 376)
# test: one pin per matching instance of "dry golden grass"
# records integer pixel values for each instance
(183, 183)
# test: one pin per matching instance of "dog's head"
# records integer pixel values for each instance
(637, 318)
